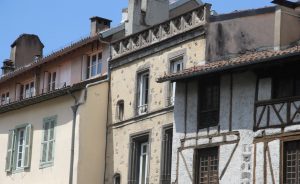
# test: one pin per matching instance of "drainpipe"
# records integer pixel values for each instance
(74, 110)
(108, 97)
(75, 107)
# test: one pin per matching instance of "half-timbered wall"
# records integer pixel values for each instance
(247, 153)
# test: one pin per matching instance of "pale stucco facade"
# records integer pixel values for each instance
(90, 138)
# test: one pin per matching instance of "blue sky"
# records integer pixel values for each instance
(59, 22)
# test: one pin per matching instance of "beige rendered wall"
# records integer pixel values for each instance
(59, 172)
(123, 86)
(92, 135)
(239, 35)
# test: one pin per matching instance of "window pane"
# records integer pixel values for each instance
(292, 162)
(207, 164)
(209, 94)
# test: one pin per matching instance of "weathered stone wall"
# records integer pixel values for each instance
(124, 87)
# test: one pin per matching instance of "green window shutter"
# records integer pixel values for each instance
(10, 150)
(44, 141)
(48, 139)
(27, 154)
(51, 140)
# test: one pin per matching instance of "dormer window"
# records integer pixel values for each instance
(5, 98)
(51, 81)
(94, 65)
(27, 90)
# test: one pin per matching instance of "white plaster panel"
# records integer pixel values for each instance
(231, 137)
(224, 103)
(203, 141)
(259, 174)
(232, 173)
(274, 149)
(264, 89)
(186, 166)
(192, 98)
(217, 139)
(243, 100)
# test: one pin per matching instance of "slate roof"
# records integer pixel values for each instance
(244, 60)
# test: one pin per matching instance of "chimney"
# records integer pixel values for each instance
(145, 13)
(124, 15)
(8, 66)
(24, 49)
(99, 24)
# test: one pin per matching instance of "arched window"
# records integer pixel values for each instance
(117, 178)
(120, 110)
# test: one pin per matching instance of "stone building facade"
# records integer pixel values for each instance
(141, 109)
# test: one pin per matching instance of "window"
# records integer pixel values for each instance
(165, 177)
(176, 66)
(120, 110)
(27, 90)
(117, 179)
(143, 92)
(48, 140)
(19, 148)
(206, 166)
(139, 158)
(94, 65)
(51, 81)
(5, 98)
(292, 162)
(286, 86)
(209, 94)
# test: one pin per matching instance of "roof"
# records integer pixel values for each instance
(50, 57)
(244, 60)
(48, 96)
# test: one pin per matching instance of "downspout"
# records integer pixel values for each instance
(108, 97)
(74, 108)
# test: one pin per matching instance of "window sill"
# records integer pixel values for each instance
(46, 165)
(20, 170)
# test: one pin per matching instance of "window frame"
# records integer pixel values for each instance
(119, 115)
(164, 154)
(52, 81)
(143, 94)
(293, 78)
(48, 163)
(134, 156)
(284, 141)
(5, 98)
(98, 65)
(172, 86)
(117, 175)
(202, 86)
(196, 161)
(13, 150)
(31, 87)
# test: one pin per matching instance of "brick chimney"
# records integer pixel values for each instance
(24, 49)
(99, 24)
